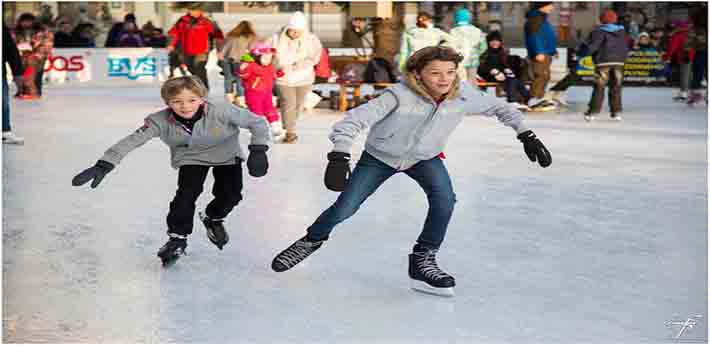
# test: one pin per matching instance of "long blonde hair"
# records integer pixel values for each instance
(244, 28)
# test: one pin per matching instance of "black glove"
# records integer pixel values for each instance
(535, 149)
(96, 173)
(257, 162)
(338, 171)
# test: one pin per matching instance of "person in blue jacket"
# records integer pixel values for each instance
(541, 43)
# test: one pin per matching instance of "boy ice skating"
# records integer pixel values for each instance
(200, 135)
(409, 126)
(607, 46)
(258, 75)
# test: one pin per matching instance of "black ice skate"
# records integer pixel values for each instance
(294, 254)
(173, 249)
(426, 276)
(215, 230)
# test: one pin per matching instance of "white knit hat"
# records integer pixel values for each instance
(297, 21)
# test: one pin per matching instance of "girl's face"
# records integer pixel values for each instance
(185, 103)
(294, 34)
(438, 77)
(495, 44)
(265, 58)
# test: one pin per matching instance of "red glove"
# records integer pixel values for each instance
(280, 73)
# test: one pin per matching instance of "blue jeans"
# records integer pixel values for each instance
(5, 106)
(513, 85)
(230, 78)
(369, 174)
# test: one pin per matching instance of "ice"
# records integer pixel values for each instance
(607, 245)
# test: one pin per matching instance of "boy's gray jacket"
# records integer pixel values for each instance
(419, 128)
(214, 139)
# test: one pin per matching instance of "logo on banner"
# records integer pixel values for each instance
(61, 63)
(122, 67)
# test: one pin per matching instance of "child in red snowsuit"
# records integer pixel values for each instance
(258, 74)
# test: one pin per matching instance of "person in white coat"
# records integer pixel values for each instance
(297, 51)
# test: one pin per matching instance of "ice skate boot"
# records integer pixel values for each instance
(215, 230)
(173, 249)
(277, 131)
(695, 97)
(426, 276)
(681, 96)
(294, 254)
(616, 117)
(589, 116)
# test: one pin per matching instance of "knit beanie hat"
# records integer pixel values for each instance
(536, 5)
(608, 17)
(297, 21)
(494, 36)
(462, 16)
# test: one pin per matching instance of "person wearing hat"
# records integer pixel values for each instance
(541, 43)
(423, 35)
(498, 66)
(644, 44)
(607, 46)
(470, 42)
(409, 125)
(192, 34)
(297, 52)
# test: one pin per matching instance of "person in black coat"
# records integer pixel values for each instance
(10, 56)
(497, 66)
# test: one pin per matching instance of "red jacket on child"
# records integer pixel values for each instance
(257, 77)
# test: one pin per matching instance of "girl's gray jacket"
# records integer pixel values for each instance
(418, 128)
(214, 139)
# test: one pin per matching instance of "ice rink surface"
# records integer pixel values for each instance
(609, 244)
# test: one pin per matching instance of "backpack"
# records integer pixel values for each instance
(379, 70)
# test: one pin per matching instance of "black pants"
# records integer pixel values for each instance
(39, 77)
(613, 76)
(227, 192)
(196, 66)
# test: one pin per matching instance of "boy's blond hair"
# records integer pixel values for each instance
(173, 87)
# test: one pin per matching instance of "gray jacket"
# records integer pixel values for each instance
(214, 139)
(419, 128)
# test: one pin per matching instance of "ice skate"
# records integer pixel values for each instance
(277, 131)
(681, 96)
(173, 249)
(215, 230)
(695, 97)
(616, 117)
(294, 254)
(589, 116)
(426, 275)
(11, 138)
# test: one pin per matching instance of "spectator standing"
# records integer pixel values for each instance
(679, 58)
(423, 35)
(63, 37)
(10, 56)
(236, 44)
(35, 43)
(541, 43)
(297, 52)
(698, 44)
(131, 37)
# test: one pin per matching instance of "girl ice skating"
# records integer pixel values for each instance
(200, 135)
(258, 74)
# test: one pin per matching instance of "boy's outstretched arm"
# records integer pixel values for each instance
(115, 154)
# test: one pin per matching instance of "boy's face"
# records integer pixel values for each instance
(438, 77)
(644, 40)
(265, 58)
(185, 103)
(495, 44)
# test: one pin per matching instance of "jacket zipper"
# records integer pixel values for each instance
(430, 118)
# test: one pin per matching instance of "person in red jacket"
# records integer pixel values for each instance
(193, 32)
(679, 57)
(258, 75)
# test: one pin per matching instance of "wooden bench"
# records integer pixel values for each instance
(355, 89)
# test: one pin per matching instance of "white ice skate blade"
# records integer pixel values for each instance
(420, 286)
